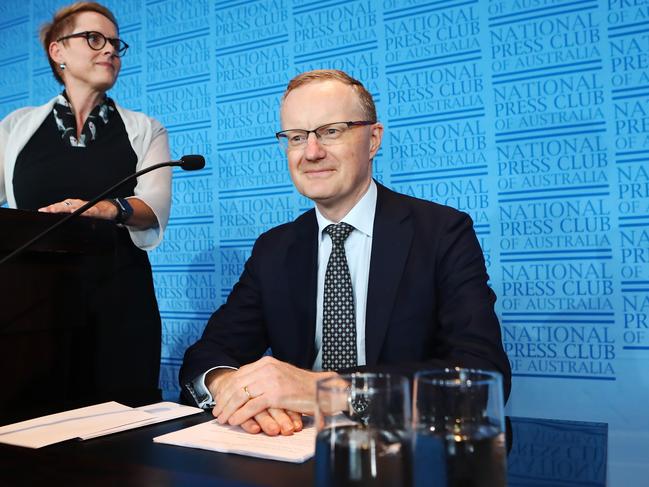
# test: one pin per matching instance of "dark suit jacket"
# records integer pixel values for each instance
(428, 303)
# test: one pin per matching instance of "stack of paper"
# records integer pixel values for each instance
(296, 448)
(89, 422)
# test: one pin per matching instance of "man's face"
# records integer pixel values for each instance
(334, 176)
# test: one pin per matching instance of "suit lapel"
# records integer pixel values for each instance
(301, 266)
(391, 240)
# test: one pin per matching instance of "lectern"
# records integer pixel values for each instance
(45, 339)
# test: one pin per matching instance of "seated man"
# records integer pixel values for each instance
(369, 280)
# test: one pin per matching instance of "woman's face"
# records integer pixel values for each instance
(84, 67)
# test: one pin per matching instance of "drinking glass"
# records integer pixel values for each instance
(364, 431)
(458, 425)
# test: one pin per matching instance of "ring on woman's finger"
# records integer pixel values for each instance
(67, 203)
(245, 389)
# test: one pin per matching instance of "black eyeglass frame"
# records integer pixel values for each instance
(283, 134)
(120, 48)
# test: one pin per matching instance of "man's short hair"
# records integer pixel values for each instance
(364, 96)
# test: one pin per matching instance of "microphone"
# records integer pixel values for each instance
(192, 162)
(187, 163)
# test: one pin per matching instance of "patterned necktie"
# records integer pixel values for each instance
(338, 317)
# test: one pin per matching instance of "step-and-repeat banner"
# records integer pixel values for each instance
(530, 115)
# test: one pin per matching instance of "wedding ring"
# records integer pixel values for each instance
(67, 203)
(245, 389)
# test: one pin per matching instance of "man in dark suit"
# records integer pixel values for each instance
(404, 289)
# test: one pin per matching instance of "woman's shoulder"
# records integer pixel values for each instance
(138, 119)
(17, 115)
(23, 113)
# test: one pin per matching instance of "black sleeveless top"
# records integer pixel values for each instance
(117, 357)
(48, 170)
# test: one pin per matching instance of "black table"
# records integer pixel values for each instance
(543, 453)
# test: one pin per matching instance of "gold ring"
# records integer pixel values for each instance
(245, 389)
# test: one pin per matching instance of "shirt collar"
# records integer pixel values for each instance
(361, 216)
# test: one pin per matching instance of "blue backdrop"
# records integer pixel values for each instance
(531, 115)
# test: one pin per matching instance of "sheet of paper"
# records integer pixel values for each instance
(161, 411)
(47, 430)
(211, 435)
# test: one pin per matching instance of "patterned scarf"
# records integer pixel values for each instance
(65, 121)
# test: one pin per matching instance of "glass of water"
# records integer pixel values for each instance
(364, 431)
(459, 429)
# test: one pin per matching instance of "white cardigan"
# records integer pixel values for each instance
(148, 139)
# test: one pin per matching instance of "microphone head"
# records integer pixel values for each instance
(192, 162)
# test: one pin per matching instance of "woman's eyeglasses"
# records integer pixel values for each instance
(97, 41)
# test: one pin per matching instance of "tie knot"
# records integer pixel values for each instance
(339, 232)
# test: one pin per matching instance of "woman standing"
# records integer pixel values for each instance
(55, 157)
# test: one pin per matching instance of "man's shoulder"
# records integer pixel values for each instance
(418, 206)
(289, 231)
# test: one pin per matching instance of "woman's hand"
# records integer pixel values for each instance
(104, 209)
(142, 217)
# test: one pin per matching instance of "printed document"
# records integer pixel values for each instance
(211, 435)
(88, 422)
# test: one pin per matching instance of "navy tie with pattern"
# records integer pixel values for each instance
(338, 316)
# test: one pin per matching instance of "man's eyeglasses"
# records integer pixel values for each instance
(97, 41)
(329, 134)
